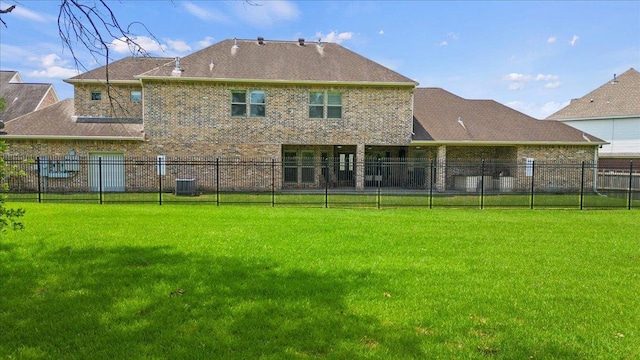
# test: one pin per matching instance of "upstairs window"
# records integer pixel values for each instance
(96, 95)
(316, 105)
(320, 109)
(334, 105)
(257, 103)
(238, 103)
(136, 95)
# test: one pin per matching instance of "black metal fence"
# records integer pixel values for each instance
(323, 182)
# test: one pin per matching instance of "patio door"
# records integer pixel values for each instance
(345, 164)
(106, 170)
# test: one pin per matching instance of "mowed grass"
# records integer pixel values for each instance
(243, 282)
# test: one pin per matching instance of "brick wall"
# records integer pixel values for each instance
(121, 106)
(195, 118)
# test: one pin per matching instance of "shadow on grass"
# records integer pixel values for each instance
(155, 302)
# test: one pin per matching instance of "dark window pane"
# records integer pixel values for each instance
(308, 175)
(316, 98)
(238, 110)
(334, 98)
(334, 112)
(291, 174)
(238, 97)
(96, 95)
(258, 110)
(316, 112)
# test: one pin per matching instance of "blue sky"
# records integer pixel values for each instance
(532, 56)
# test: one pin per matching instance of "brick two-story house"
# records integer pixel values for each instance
(291, 101)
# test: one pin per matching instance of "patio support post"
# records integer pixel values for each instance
(359, 167)
(442, 167)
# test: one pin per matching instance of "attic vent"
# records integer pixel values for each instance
(260, 40)
(301, 41)
(177, 71)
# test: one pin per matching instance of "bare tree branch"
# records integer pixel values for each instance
(6, 11)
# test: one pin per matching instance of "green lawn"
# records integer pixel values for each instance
(244, 282)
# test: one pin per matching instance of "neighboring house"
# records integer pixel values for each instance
(612, 113)
(297, 103)
(22, 98)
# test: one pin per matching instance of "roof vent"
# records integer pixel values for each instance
(177, 71)
(235, 43)
(260, 40)
(319, 43)
(615, 79)
(301, 41)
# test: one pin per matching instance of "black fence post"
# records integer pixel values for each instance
(159, 181)
(378, 183)
(630, 184)
(431, 177)
(273, 182)
(326, 183)
(100, 177)
(582, 186)
(533, 183)
(217, 181)
(482, 185)
(39, 186)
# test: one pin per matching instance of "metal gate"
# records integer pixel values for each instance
(106, 170)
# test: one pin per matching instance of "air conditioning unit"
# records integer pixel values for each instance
(185, 187)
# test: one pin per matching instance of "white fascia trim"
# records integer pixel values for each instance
(101, 81)
(505, 143)
(265, 81)
(55, 137)
(612, 117)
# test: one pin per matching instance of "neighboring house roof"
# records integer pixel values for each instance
(440, 116)
(9, 76)
(57, 122)
(280, 61)
(22, 98)
(123, 70)
(619, 97)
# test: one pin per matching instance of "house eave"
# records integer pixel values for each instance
(608, 117)
(71, 137)
(279, 82)
(504, 143)
(102, 81)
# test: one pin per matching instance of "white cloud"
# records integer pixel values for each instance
(548, 77)
(54, 67)
(381, 32)
(178, 45)
(266, 13)
(205, 14)
(574, 40)
(551, 107)
(55, 72)
(206, 42)
(517, 81)
(551, 40)
(444, 43)
(121, 46)
(524, 107)
(334, 37)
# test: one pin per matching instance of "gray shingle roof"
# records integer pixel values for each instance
(21, 98)
(281, 61)
(441, 116)
(124, 69)
(615, 98)
(57, 121)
